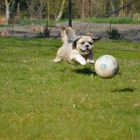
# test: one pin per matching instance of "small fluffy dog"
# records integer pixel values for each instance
(75, 49)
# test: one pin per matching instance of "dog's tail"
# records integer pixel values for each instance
(67, 33)
(64, 35)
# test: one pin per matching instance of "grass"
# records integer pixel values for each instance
(113, 20)
(40, 100)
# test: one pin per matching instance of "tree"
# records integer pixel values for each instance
(7, 13)
(35, 8)
(61, 10)
(13, 8)
(130, 2)
(8, 6)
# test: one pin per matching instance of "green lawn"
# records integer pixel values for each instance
(50, 22)
(112, 20)
(40, 100)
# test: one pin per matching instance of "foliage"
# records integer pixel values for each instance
(46, 32)
(82, 9)
(26, 21)
(113, 33)
(42, 100)
(112, 20)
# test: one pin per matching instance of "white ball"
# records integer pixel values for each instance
(106, 66)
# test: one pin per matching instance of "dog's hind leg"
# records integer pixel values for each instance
(58, 57)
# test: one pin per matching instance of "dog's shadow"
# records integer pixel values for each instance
(85, 71)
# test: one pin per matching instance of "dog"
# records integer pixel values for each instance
(75, 49)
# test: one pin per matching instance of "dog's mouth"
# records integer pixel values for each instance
(86, 51)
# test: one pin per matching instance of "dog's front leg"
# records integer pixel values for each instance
(78, 58)
(57, 60)
(90, 59)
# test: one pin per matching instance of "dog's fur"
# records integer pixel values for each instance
(75, 48)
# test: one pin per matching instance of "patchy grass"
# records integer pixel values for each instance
(41, 100)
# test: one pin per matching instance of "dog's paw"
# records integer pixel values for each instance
(79, 59)
(90, 61)
(83, 62)
(56, 60)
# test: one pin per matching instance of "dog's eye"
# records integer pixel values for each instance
(90, 43)
(82, 42)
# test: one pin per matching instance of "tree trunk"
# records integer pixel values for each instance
(121, 12)
(7, 5)
(13, 8)
(40, 10)
(61, 10)
(83, 9)
(107, 6)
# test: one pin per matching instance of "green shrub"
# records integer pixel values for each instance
(113, 33)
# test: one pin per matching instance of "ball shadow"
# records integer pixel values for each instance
(85, 71)
(126, 89)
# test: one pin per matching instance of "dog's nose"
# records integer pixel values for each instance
(87, 46)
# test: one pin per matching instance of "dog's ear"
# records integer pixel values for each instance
(74, 41)
(94, 38)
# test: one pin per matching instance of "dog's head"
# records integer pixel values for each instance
(84, 44)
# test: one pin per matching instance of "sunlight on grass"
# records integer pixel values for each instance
(42, 100)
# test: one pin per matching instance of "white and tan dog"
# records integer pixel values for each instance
(75, 49)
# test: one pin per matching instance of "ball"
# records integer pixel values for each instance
(106, 66)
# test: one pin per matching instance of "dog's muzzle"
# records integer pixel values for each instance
(85, 52)
(86, 49)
